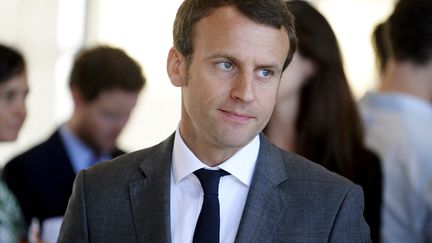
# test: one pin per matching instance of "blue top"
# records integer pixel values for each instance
(399, 129)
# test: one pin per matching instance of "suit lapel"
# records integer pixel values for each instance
(266, 203)
(59, 160)
(265, 206)
(150, 197)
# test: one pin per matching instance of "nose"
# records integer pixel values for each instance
(121, 123)
(243, 89)
(20, 108)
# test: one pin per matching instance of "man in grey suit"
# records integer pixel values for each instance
(228, 57)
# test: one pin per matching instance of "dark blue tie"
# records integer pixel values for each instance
(207, 227)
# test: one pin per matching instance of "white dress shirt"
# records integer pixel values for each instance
(187, 193)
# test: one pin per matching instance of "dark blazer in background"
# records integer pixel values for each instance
(42, 179)
(290, 200)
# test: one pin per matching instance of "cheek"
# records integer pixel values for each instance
(3, 115)
(95, 124)
(109, 128)
(192, 103)
(2, 127)
(4, 109)
(198, 96)
(6, 117)
(269, 106)
(268, 100)
(104, 125)
(269, 92)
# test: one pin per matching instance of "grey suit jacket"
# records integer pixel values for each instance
(290, 200)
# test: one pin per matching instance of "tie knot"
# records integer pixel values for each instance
(209, 180)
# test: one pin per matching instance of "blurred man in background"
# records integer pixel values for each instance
(398, 122)
(105, 83)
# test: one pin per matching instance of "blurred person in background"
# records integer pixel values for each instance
(316, 115)
(105, 83)
(13, 93)
(398, 118)
(380, 46)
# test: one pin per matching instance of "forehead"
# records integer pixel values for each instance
(16, 81)
(227, 30)
(115, 98)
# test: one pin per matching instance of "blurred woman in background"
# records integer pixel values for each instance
(316, 115)
(13, 92)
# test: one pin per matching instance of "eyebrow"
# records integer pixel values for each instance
(225, 56)
(275, 67)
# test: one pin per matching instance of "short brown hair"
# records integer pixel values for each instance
(409, 30)
(269, 12)
(105, 68)
(11, 63)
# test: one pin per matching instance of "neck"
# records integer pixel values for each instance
(75, 125)
(209, 154)
(72, 124)
(408, 78)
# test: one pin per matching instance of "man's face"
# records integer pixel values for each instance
(229, 89)
(13, 110)
(102, 120)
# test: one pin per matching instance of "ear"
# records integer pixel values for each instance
(176, 67)
(77, 97)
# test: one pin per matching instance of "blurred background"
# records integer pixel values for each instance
(50, 32)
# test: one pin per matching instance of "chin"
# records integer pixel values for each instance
(9, 137)
(235, 141)
(108, 148)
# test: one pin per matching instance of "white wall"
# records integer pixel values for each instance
(144, 30)
(353, 21)
(31, 27)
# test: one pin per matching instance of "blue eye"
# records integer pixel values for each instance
(225, 65)
(265, 73)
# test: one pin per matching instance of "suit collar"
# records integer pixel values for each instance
(270, 162)
(57, 157)
(266, 203)
(152, 217)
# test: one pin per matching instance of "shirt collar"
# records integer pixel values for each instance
(241, 165)
(407, 102)
(79, 153)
